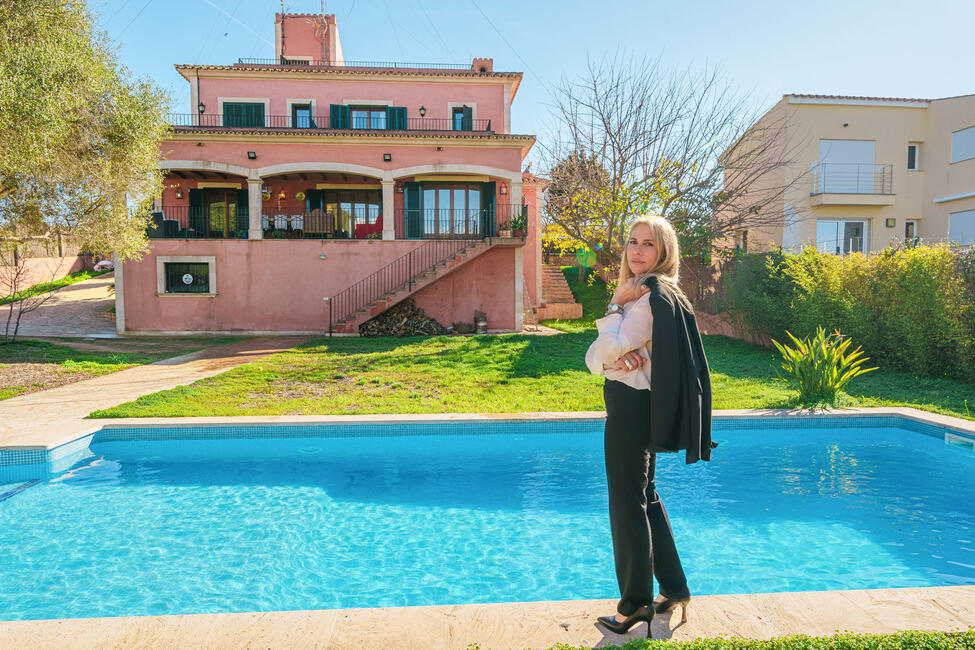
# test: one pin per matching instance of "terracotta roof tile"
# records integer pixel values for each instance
(856, 97)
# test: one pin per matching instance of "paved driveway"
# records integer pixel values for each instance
(76, 310)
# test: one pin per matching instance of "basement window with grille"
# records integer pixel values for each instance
(185, 275)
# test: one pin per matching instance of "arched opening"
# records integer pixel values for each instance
(321, 204)
(201, 201)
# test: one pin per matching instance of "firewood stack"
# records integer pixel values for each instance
(404, 319)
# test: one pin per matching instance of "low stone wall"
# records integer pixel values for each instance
(45, 269)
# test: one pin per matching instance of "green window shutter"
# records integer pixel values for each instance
(231, 114)
(488, 210)
(467, 121)
(196, 221)
(256, 115)
(339, 116)
(243, 212)
(413, 199)
(243, 114)
(396, 118)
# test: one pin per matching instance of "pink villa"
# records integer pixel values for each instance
(309, 193)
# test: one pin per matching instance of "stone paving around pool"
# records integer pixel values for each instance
(513, 625)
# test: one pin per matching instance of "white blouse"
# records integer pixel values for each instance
(619, 334)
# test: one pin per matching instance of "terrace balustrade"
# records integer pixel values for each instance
(323, 123)
(183, 222)
(851, 178)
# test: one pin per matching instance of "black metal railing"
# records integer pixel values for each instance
(184, 222)
(851, 178)
(476, 223)
(401, 273)
(318, 224)
(322, 123)
(356, 64)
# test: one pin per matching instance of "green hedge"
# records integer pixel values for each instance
(898, 641)
(910, 308)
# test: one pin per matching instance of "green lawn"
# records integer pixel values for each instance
(44, 287)
(490, 374)
(497, 374)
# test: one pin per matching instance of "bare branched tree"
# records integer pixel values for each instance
(682, 144)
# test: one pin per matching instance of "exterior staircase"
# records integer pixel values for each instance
(400, 279)
(557, 299)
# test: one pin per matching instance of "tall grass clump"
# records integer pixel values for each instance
(819, 366)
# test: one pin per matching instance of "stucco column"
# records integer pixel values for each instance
(389, 218)
(254, 230)
(519, 288)
(514, 197)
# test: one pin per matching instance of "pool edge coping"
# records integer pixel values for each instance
(539, 624)
(84, 428)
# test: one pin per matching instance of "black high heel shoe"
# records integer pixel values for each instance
(668, 604)
(642, 615)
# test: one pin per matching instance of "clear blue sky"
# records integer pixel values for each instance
(900, 48)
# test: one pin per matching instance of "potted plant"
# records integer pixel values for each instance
(518, 224)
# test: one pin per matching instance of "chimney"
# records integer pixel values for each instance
(307, 37)
(483, 65)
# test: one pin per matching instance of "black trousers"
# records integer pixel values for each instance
(643, 542)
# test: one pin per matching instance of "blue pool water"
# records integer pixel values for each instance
(516, 513)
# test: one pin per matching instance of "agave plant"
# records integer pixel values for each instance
(820, 366)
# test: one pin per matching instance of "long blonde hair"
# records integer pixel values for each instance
(667, 266)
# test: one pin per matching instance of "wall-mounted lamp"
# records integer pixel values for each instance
(251, 155)
(387, 157)
(201, 107)
(423, 111)
(846, 124)
(891, 222)
(439, 148)
(504, 189)
(179, 193)
(399, 187)
(281, 195)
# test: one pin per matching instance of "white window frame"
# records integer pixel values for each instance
(162, 260)
(952, 214)
(971, 154)
(367, 102)
(917, 227)
(866, 232)
(917, 156)
(291, 114)
(249, 100)
(452, 105)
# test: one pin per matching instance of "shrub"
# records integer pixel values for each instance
(911, 308)
(761, 294)
(819, 366)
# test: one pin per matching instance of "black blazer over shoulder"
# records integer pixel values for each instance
(680, 381)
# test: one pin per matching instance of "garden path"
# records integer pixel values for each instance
(53, 417)
(80, 309)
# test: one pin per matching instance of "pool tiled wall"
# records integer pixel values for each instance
(27, 464)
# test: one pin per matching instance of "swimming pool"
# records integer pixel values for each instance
(171, 520)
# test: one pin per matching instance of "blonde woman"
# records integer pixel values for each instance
(658, 398)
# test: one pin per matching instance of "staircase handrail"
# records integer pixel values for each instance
(401, 272)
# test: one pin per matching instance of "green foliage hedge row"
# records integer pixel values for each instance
(910, 308)
(897, 641)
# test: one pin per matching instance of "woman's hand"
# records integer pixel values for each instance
(629, 361)
(628, 292)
